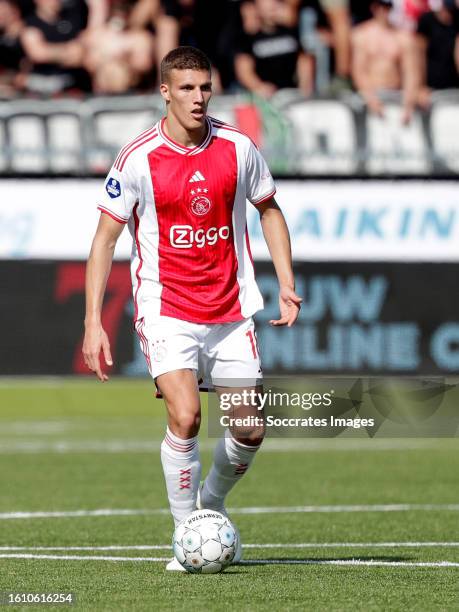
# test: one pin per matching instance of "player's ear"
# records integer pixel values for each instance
(164, 91)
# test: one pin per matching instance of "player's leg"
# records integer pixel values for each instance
(232, 459)
(171, 350)
(179, 449)
(233, 357)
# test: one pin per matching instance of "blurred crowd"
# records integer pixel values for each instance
(74, 47)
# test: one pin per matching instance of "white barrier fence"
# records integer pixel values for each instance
(298, 136)
(328, 220)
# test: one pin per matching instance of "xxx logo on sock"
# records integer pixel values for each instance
(185, 479)
(241, 469)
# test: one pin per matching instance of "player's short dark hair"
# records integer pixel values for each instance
(184, 58)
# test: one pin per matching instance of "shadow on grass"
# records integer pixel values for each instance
(323, 560)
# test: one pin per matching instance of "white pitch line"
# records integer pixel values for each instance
(369, 562)
(80, 557)
(248, 510)
(8, 446)
(252, 546)
(87, 548)
(248, 562)
(15, 428)
(356, 545)
(343, 508)
(81, 513)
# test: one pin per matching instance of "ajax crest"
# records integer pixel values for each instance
(113, 188)
(159, 351)
(200, 205)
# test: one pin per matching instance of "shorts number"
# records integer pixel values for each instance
(253, 342)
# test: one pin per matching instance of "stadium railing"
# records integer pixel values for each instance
(314, 137)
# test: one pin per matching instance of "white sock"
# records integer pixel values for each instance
(182, 472)
(231, 461)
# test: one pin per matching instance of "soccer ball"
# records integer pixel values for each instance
(205, 542)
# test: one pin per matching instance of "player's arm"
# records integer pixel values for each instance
(97, 272)
(277, 238)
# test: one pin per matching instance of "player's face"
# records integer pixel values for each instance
(187, 94)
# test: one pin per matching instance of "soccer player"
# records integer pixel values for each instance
(182, 187)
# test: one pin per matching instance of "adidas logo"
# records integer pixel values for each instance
(197, 176)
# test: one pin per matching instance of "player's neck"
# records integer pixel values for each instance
(187, 138)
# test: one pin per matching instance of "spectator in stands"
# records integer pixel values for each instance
(383, 61)
(268, 53)
(336, 32)
(196, 23)
(436, 38)
(339, 19)
(11, 51)
(120, 53)
(332, 22)
(51, 45)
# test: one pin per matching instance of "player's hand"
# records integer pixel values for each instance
(95, 341)
(289, 305)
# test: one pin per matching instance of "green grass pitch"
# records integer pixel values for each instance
(353, 524)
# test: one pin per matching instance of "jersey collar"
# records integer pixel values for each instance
(178, 148)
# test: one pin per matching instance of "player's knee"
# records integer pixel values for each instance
(188, 424)
(251, 437)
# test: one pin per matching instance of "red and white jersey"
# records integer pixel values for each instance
(186, 211)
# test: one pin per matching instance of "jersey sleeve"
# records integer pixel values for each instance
(120, 193)
(260, 183)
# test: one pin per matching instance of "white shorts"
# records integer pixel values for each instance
(219, 353)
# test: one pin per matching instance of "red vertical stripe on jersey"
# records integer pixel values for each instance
(144, 342)
(139, 252)
(196, 254)
(247, 242)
